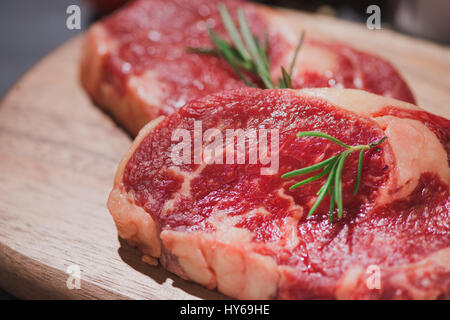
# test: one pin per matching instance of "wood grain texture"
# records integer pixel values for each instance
(58, 155)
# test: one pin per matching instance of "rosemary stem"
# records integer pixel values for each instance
(333, 167)
(245, 54)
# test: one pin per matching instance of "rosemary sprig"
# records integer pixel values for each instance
(333, 168)
(245, 54)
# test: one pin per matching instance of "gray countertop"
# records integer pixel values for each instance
(29, 30)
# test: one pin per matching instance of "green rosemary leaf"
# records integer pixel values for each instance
(332, 201)
(253, 49)
(222, 46)
(358, 174)
(324, 191)
(297, 49)
(227, 53)
(309, 169)
(246, 53)
(338, 182)
(242, 77)
(311, 179)
(334, 167)
(262, 53)
(281, 83)
(286, 78)
(322, 135)
(318, 201)
(321, 189)
(208, 51)
(233, 32)
(374, 144)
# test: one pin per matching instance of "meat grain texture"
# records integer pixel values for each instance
(136, 65)
(227, 227)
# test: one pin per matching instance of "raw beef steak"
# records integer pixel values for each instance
(136, 65)
(238, 228)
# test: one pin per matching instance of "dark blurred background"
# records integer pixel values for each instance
(30, 29)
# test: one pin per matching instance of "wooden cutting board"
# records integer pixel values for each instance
(58, 154)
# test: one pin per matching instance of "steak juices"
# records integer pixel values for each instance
(229, 227)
